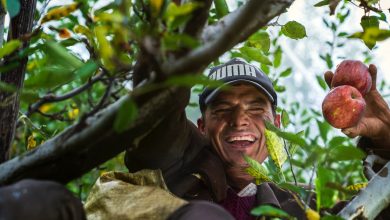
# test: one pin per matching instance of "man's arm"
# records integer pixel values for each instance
(169, 145)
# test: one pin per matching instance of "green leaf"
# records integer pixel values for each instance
(265, 68)
(294, 30)
(293, 138)
(301, 191)
(61, 56)
(279, 88)
(255, 54)
(325, 195)
(343, 153)
(331, 217)
(369, 21)
(285, 118)
(371, 35)
(9, 47)
(184, 9)
(173, 10)
(177, 41)
(342, 34)
(328, 59)
(127, 113)
(337, 141)
(286, 72)
(13, 7)
(29, 96)
(321, 82)
(260, 40)
(221, 8)
(87, 70)
(256, 170)
(322, 3)
(293, 147)
(49, 77)
(324, 129)
(267, 210)
(69, 42)
(277, 57)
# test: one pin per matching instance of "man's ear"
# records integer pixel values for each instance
(277, 120)
(200, 123)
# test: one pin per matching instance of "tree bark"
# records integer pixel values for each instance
(9, 108)
(2, 18)
(370, 201)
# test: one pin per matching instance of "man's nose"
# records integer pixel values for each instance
(239, 118)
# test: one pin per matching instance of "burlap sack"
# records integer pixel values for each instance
(141, 195)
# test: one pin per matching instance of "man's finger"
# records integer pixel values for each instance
(372, 69)
(350, 132)
(328, 78)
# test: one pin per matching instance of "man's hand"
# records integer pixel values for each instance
(375, 124)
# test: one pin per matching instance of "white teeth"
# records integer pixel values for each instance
(241, 138)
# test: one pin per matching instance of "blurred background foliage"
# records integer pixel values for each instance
(82, 55)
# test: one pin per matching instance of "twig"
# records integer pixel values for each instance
(45, 4)
(289, 160)
(102, 101)
(310, 185)
(49, 98)
(364, 5)
(25, 119)
(55, 116)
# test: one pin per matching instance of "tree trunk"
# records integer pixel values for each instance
(9, 108)
(2, 18)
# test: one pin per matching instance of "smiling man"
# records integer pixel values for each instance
(206, 162)
(233, 118)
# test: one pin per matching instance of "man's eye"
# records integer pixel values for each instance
(256, 109)
(222, 110)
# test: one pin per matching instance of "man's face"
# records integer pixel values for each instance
(234, 123)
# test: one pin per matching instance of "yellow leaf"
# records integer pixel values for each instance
(80, 29)
(356, 187)
(114, 17)
(105, 49)
(31, 143)
(312, 215)
(275, 148)
(31, 65)
(57, 13)
(72, 114)
(156, 7)
(259, 176)
(45, 108)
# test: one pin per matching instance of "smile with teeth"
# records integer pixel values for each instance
(248, 138)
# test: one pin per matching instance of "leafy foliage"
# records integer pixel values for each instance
(82, 57)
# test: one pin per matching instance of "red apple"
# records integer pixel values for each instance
(343, 107)
(353, 73)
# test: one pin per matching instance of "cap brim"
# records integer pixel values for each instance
(215, 92)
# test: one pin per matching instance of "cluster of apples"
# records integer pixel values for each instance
(344, 105)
